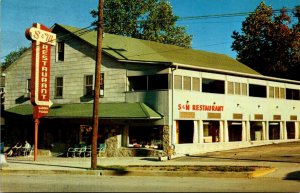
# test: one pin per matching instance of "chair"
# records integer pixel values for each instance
(88, 151)
(25, 151)
(101, 148)
(71, 150)
(80, 151)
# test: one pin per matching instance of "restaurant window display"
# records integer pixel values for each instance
(211, 131)
(145, 137)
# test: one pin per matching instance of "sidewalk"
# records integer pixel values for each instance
(285, 158)
(82, 166)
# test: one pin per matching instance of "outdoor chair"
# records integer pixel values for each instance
(80, 151)
(25, 151)
(71, 150)
(88, 151)
(101, 148)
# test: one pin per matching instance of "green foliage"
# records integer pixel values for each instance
(12, 57)
(269, 43)
(148, 19)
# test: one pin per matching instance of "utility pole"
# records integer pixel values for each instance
(97, 85)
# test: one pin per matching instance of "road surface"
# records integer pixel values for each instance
(86, 183)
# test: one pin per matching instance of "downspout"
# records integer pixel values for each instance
(172, 114)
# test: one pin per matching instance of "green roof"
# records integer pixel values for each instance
(132, 49)
(85, 110)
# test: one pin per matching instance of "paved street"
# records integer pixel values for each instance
(84, 183)
(284, 156)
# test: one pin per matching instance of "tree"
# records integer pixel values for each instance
(12, 57)
(267, 43)
(148, 19)
(294, 71)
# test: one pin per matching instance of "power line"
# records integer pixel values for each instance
(78, 32)
(228, 15)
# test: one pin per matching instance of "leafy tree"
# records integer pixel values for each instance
(147, 19)
(267, 43)
(12, 57)
(294, 71)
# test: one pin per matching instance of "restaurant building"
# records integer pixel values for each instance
(152, 95)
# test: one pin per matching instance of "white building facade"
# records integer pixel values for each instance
(225, 111)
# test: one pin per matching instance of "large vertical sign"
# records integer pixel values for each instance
(42, 40)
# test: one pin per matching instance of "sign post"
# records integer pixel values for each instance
(42, 39)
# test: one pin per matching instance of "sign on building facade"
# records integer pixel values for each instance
(42, 40)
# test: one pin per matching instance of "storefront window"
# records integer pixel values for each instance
(256, 131)
(211, 131)
(184, 131)
(85, 134)
(145, 137)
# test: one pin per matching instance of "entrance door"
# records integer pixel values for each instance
(274, 130)
(256, 131)
(235, 131)
(185, 131)
(291, 128)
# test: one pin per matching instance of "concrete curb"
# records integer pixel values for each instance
(49, 172)
(253, 174)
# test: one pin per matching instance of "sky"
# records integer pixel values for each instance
(210, 34)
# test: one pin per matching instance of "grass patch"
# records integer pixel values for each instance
(196, 168)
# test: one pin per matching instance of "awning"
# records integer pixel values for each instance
(85, 110)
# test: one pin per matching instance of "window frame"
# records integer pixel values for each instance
(206, 86)
(196, 84)
(178, 82)
(187, 83)
(253, 92)
(85, 85)
(60, 57)
(28, 85)
(59, 87)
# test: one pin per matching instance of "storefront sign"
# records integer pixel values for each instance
(187, 115)
(197, 107)
(42, 39)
